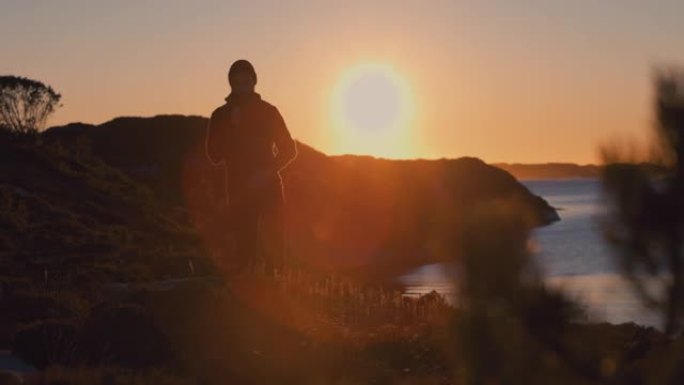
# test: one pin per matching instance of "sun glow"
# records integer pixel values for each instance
(372, 112)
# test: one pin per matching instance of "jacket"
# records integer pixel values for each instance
(249, 135)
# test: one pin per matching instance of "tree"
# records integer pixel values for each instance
(25, 104)
(646, 221)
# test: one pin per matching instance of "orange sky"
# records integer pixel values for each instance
(523, 81)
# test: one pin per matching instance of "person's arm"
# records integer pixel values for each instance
(216, 140)
(285, 145)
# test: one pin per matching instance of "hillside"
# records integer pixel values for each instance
(60, 208)
(88, 211)
(355, 214)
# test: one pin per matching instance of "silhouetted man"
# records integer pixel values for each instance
(249, 137)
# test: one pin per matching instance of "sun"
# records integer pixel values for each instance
(372, 111)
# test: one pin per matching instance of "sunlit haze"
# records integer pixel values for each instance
(523, 81)
(372, 109)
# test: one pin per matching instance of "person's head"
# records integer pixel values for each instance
(242, 77)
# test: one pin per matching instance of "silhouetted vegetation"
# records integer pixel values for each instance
(648, 210)
(25, 104)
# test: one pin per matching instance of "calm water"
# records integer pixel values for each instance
(572, 254)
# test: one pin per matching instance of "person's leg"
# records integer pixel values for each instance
(272, 226)
(245, 219)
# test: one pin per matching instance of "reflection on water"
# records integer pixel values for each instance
(574, 245)
(604, 297)
(572, 254)
(608, 297)
(435, 276)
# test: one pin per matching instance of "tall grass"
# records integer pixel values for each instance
(354, 304)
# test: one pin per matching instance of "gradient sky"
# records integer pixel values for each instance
(512, 81)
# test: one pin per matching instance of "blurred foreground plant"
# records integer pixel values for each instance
(646, 206)
(510, 328)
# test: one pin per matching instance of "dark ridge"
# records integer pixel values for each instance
(348, 212)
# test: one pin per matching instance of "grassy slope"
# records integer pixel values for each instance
(72, 223)
(62, 209)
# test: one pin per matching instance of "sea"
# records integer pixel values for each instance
(572, 255)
